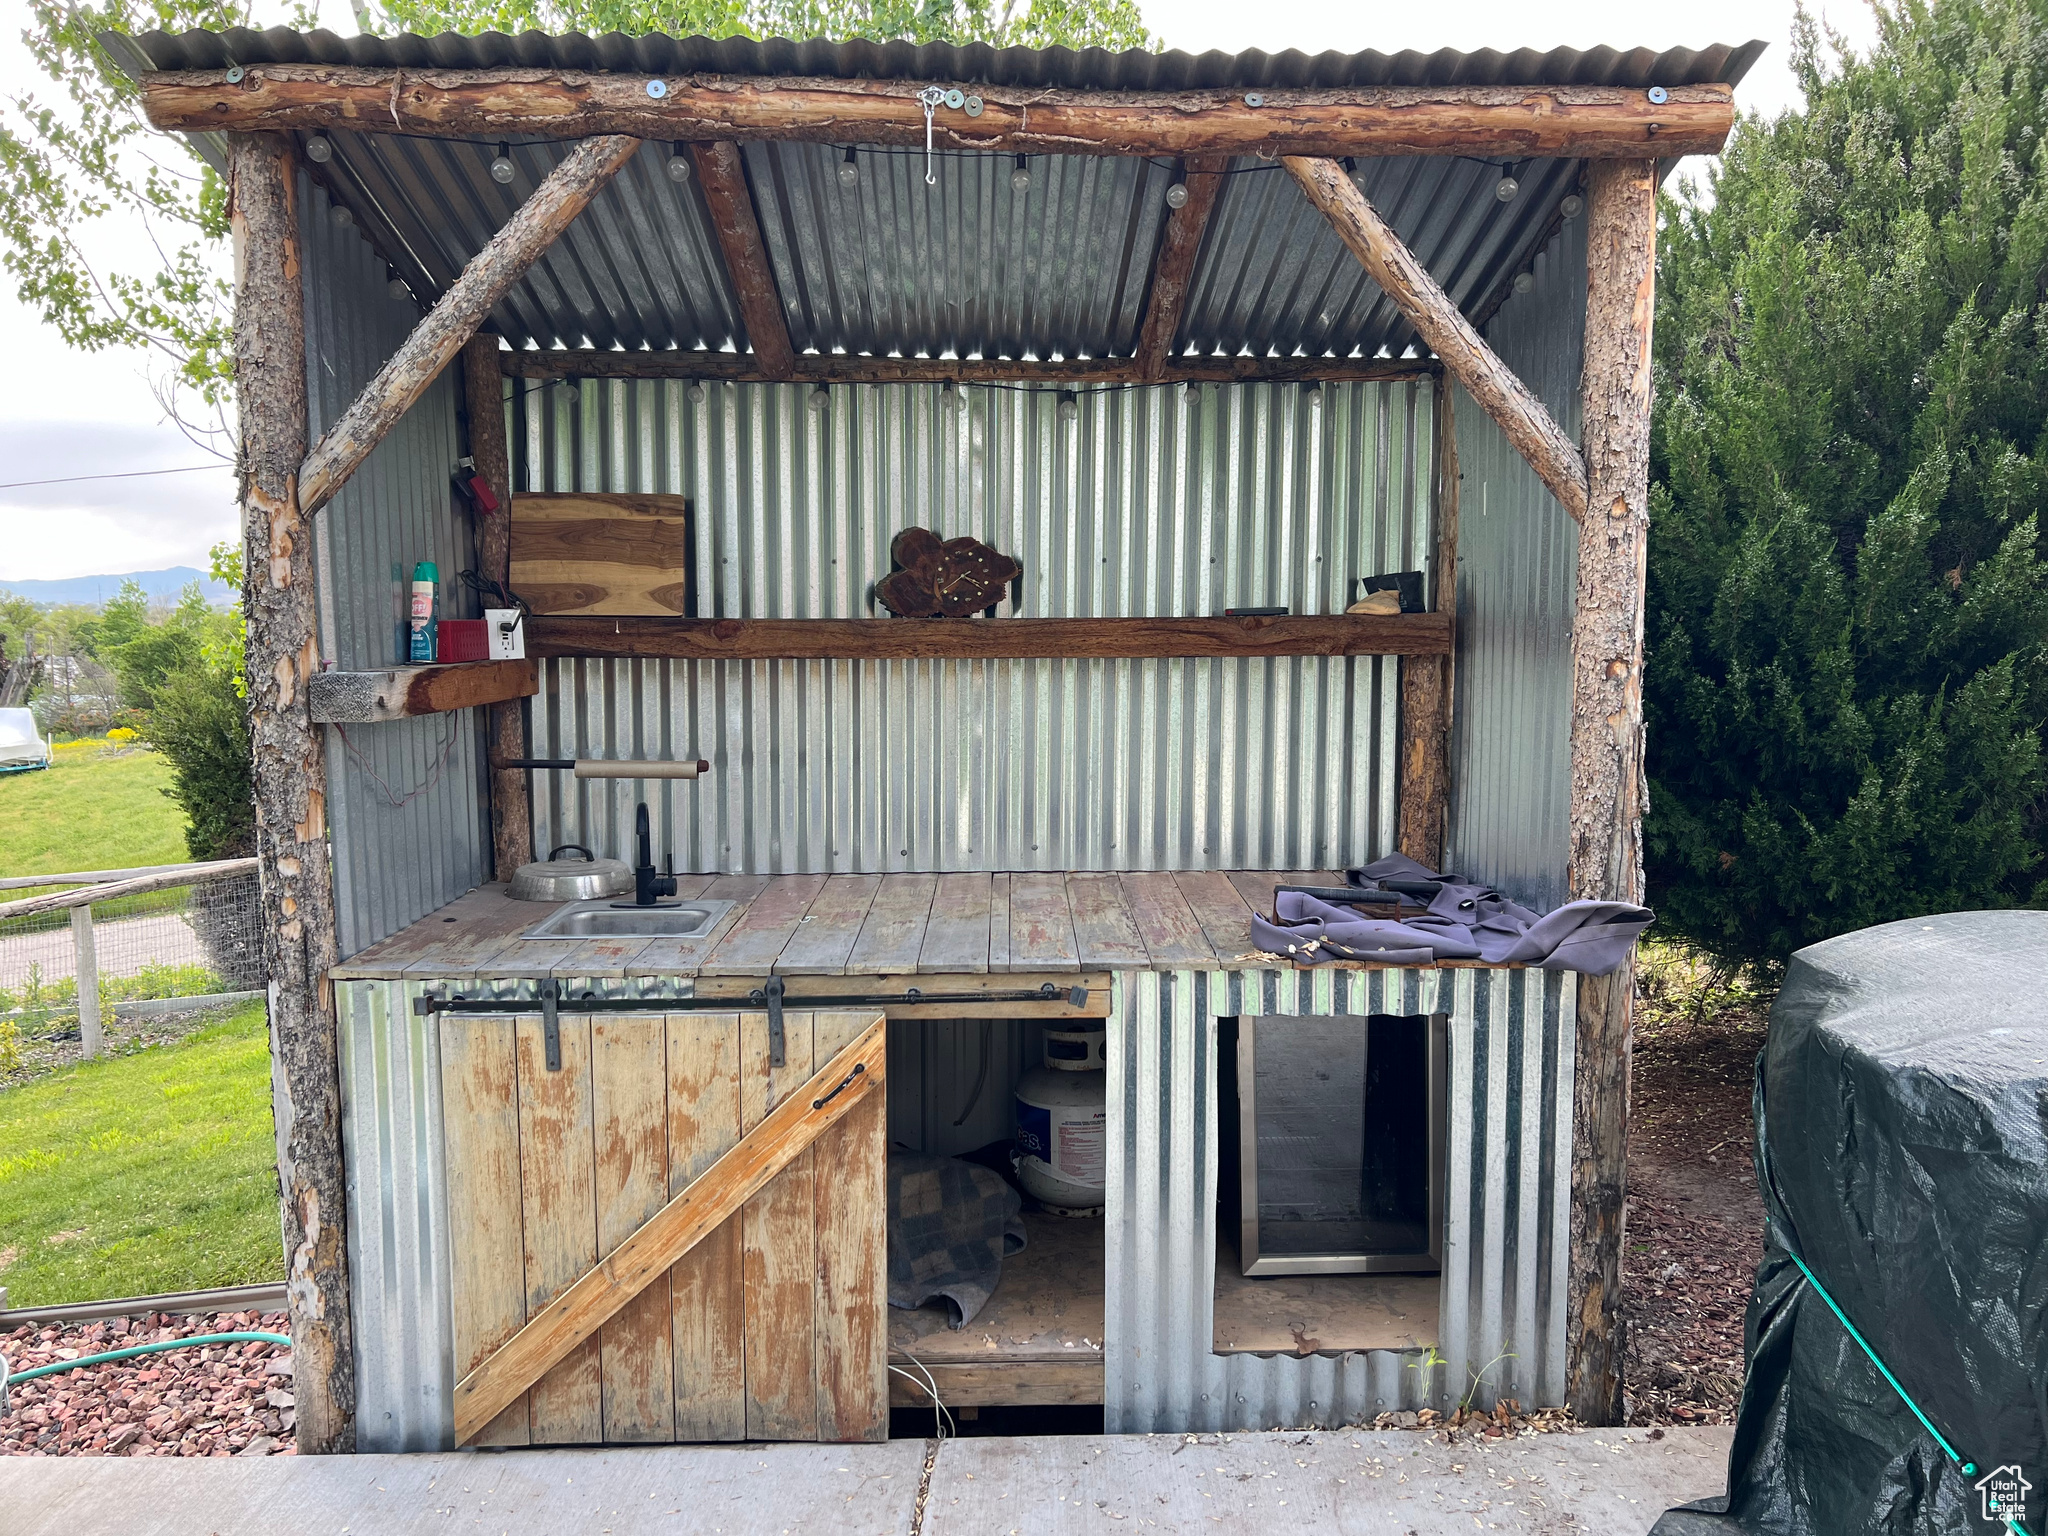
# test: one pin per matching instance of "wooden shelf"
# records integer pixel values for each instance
(357, 698)
(1406, 634)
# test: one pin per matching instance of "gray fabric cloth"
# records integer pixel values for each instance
(951, 1225)
(1464, 920)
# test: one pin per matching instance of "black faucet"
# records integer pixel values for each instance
(648, 887)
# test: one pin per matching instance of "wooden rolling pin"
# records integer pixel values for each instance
(611, 768)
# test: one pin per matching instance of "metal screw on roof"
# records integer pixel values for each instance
(319, 149)
(956, 98)
(1254, 99)
(1658, 95)
(1572, 206)
(973, 106)
(1506, 188)
(234, 76)
(657, 89)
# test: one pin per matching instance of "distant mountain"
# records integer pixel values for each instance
(162, 586)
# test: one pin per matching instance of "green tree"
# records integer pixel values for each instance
(1848, 608)
(81, 153)
(145, 648)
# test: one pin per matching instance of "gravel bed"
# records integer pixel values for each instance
(220, 1400)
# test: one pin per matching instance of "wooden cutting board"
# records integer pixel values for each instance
(593, 554)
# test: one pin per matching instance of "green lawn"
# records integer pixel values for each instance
(142, 1174)
(90, 809)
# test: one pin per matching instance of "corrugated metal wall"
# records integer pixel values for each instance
(1517, 564)
(406, 798)
(1508, 1195)
(1148, 504)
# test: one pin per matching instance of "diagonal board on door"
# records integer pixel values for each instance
(668, 1238)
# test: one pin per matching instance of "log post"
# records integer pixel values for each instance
(290, 775)
(483, 391)
(1536, 436)
(448, 326)
(1608, 796)
(1173, 269)
(1426, 681)
(722, 174)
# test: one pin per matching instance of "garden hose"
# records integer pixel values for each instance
(7, 1378)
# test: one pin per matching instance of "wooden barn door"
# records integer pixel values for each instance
(771, 1327)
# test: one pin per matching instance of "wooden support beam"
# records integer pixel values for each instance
(814, 368)
(455, 318)
(1407, 634)
(723, 176)
(1465, 355)
(1174, 267)
(1426, 681)
(483, 393)
(290, 781)
(1549, 121)
(1607, 748)
(704, 1205)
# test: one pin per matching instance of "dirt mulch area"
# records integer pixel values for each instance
(219, 1400)
(53, 1047)
(1695, 1221)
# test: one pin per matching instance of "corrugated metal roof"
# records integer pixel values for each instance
(966, 267)
(1084, 69)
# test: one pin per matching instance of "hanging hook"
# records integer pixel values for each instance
(930, 98)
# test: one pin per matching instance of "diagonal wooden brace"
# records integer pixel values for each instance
(704, 1205)
(1464, 353)
(448, 326)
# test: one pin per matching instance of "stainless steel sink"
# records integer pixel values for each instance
(603, 920)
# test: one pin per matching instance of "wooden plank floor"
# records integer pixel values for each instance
(868, 925)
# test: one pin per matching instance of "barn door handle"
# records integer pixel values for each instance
(778, 1044)
(846, 1082)
(551, 1022)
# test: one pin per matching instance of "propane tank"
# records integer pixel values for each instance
(1063, 1126)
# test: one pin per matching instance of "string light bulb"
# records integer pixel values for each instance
(1506, 188)
(1069, 406)
(819, 399)
(1524, 281)
(341, 216)
(849, 169)
(1572, 206)
(679, 166)
(949, 398)
(395, 285)
(319, 149)
(1177, 195)
(1020, 178)
(695, 391)
(502, 168)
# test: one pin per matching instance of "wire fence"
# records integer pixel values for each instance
(197, 940)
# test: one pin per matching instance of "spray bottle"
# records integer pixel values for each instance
(424, 629)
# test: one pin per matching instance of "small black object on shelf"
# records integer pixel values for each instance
(1407, 583)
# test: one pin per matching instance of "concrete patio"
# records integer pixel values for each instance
(1358, 1483)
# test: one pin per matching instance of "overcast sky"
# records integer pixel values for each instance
(66, 413)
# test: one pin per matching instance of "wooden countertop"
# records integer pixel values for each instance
(867, 925)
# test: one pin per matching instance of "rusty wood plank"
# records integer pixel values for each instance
(558, 1198)
(778, 1245)
(754, 943)
(893, 934)
(480, 1131)
(1104, 932)
(957, 937)
(852, 1244)
(709, 1311)
(629, 1079)
(1225, 917)
(826, 935)
(1041, 925)
(723, 176)
(1167, 925)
